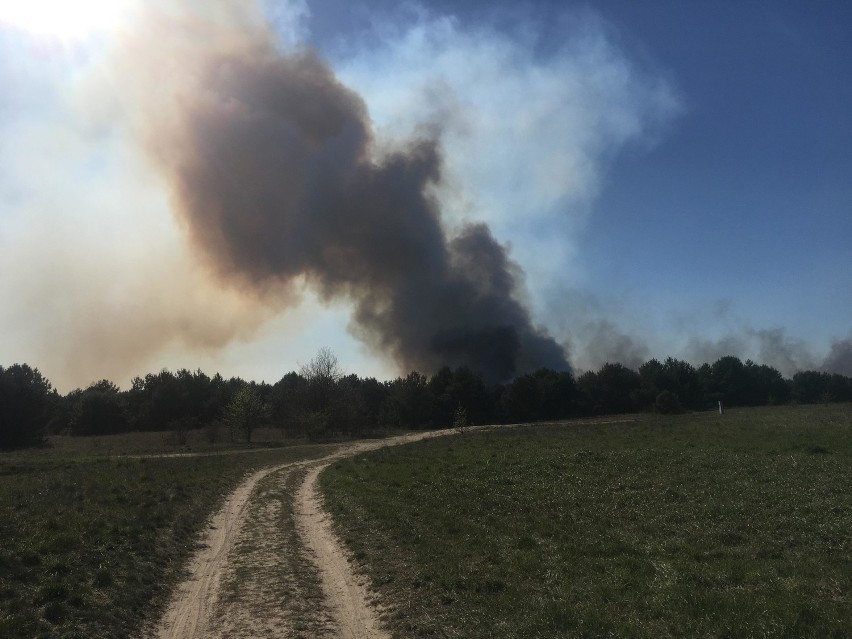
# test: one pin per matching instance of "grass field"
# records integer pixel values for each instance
(159, 443)
(703, 526)
(90, 545)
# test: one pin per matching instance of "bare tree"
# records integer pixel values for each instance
(322, 392)
(323, 369)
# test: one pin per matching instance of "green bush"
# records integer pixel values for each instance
(668, 403)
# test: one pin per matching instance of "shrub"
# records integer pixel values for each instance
(668, 403)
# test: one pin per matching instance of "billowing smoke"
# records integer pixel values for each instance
(298, 207)
(274, 170)
(787, 354)
(766, 346)
(605, 343)
(839, 358)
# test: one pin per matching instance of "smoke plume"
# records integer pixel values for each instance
(839, 358)
(275, 173)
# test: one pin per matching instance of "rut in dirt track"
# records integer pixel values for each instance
(189, 610)
(270, 564)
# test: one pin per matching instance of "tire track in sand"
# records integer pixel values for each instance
(191, 605)
(190, 613)
(347, 593)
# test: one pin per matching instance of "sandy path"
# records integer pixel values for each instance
(269, 586)
(190, 608)
(347, 594)
(191, 613)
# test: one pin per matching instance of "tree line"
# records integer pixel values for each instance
(320, 401)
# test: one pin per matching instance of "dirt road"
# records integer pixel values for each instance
(189, 610)
(270, 564)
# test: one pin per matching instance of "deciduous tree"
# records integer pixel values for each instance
(246, 411)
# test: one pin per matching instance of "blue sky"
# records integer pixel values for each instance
(749, 193)
(673, 178)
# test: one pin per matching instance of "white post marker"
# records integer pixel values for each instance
(721, 410)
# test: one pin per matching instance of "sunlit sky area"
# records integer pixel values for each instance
(673, 178)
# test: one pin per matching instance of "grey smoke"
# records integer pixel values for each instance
(784, 353)
(839, 358)
(775, 348)
(701, 350)
(604, 342)
(274, 170)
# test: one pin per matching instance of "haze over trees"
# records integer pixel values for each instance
(321, 400)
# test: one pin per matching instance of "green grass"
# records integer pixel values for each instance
(703, 526)
(197, 441)
(89, 547)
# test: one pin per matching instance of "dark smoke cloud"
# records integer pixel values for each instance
(274, 171)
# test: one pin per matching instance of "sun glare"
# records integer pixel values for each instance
(66, 19)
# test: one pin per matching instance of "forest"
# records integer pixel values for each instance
(321, 402)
